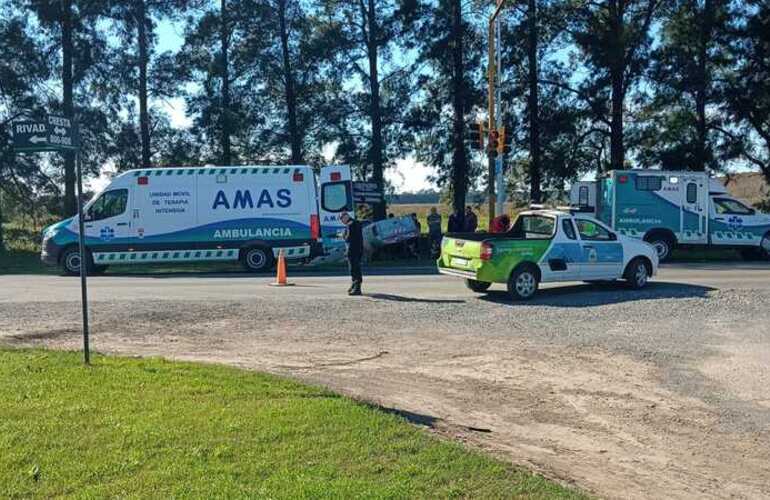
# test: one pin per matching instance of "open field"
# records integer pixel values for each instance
(151, 428)
(660, 393)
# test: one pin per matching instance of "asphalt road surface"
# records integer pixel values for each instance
(663, 392)
(244, 286)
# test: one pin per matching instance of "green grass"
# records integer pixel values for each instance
(23, 262)
(152, 428)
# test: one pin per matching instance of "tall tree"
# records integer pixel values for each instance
(138, 67)
(749, 89)
(369, 32)
(224, 69)
(533, 100)
(614, 38)
(217, 40)
(449, 83)
(71, 27)
(687, 73)
(22, 79)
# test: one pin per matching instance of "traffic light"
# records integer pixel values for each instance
(476, 135)
(493, 144)
(503, 141)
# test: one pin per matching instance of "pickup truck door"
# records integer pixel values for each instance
(562, 262)
(602, 257)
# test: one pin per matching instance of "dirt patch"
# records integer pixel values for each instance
(625, 399)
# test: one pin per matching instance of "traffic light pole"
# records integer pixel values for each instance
(493, 106)
(499, 161)
(492, 124)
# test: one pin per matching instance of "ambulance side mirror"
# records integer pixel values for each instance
(613, 237)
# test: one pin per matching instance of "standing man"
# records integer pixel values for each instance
(455, 224)
(434, 230)
(354, 239)
(471, 222)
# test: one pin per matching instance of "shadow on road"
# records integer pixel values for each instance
(716, 266)
(589, 295)
(401, 298)
(292, 272)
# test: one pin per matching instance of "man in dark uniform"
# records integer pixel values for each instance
(354, 240)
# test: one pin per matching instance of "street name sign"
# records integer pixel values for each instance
(367, 192)
(54, 133)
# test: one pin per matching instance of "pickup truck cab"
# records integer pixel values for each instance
(546, 246)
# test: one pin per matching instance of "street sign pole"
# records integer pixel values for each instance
(59, 133)
(83, 260)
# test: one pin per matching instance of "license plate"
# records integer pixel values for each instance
(457, 261)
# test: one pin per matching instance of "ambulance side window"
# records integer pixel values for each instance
(109, 204)
(692, 192)
(583, 196)
(335, 196)
(649, 182)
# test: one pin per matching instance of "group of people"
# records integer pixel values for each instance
(458, 222)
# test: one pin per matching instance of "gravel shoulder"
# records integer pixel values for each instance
(650, 394)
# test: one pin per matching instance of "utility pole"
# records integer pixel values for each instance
(493, 107)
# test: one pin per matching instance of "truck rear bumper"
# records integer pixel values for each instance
(457, 273)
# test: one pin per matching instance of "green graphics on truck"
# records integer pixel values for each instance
(669, 209)
(545, 246)
(202, 214)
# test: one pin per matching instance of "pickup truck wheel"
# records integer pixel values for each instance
(765, 247)
(523, 283)
(637, 275)
(477, 286)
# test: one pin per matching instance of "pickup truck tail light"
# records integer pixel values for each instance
(486, 251)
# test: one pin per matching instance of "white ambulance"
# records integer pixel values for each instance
(200, 214)
(675, 209)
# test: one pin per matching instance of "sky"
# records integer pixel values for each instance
(407, 176)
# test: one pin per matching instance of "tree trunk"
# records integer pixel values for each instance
(2, 241)
(535, 178)
(224, 116)
(295, 138)
(70, 203)
(459, 159)
(375, 110)
(701, 91)
(617, 71)
(144, 117)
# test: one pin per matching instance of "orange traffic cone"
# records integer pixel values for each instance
(280, 279)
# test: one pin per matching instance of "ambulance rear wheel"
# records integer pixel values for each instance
(477, 286)
(257, 259)
(663, 245)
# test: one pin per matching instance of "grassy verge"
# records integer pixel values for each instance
(152, 428)
(22, 262)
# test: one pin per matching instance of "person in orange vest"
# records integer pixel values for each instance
(354, 240)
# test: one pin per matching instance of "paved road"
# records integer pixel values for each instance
(660, 393)
(241, 286)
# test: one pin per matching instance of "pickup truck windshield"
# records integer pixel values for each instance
(533, 227)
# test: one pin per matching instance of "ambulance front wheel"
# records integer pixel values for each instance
(70, 263)
(257, 259)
